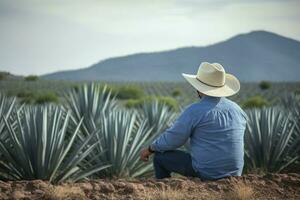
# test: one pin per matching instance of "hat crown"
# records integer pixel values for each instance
(212, 74)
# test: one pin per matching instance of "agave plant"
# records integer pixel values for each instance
(124, 137)
(159, 116)
(271, 142)
(89, 101)
(292, 104)
(37, 148)
(120, 134)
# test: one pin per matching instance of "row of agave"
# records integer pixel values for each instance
(92, 136)
(89, 136)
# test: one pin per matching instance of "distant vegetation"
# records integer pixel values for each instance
(30, 97)
(168, 101)
(46, 97)
(181, 91)
(255, 102)
(264, 85)
(3, 75)
(128, 92)
(176, 92)
(27, 97)
(31, 78)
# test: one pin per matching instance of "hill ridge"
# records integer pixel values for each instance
(254, 56)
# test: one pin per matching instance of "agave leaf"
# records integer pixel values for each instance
(65, 151)
(91, 171)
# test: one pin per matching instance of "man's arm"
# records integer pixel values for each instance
(175, 136)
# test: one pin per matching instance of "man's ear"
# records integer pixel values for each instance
(198, 94)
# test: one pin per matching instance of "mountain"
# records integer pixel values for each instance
(255, 56)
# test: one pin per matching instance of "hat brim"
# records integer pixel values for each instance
(231, 87)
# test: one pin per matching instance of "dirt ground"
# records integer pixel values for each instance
(271, 186)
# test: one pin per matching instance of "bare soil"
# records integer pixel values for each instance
(270, 186)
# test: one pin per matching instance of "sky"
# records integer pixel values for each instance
(43, 36)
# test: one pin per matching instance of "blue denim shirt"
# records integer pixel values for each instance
(215, 127)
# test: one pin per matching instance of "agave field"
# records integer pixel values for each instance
(182, 92)
(90, 134)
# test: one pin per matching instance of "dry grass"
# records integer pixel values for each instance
(240, 191)
(177, 194)
(64, 193)
(167, 194)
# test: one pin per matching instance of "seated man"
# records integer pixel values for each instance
(215, 126)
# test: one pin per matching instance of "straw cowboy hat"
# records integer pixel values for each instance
(212, 80)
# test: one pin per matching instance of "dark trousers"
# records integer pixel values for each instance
(173, 161)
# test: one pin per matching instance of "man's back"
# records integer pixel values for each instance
(217, 144)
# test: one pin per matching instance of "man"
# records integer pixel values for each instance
(215, 128)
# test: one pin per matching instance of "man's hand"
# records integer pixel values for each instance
(144, 155)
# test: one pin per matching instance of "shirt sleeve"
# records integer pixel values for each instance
(176, 135)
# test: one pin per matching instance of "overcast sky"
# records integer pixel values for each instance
(41, 36)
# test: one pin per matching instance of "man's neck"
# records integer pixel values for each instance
(205, 97)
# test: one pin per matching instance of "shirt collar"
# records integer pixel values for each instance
(210, 99)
